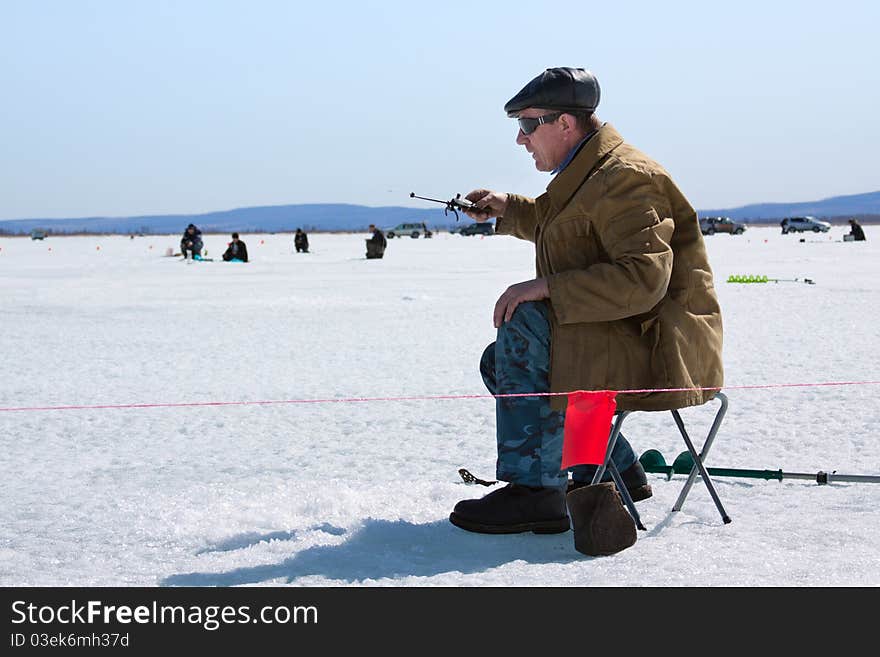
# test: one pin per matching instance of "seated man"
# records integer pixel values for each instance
(237, 250)
(856, 231)
(622, 299)
(376, 244)
(191, 242)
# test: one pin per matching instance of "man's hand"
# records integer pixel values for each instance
(489, 204)
(516, 294)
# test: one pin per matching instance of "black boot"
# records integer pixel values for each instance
(514, 509)
(634, 478)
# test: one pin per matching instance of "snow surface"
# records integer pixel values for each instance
(359, 493)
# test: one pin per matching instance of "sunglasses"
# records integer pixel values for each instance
(528, 126)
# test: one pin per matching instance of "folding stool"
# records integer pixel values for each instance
(698, 468)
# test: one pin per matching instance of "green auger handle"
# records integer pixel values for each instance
(684, 463)
(653, 461)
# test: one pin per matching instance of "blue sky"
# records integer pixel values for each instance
(130, 107)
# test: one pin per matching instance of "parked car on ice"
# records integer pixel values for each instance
(414, 230)
(37, 234)
(803, 224)
(712, 225)
(477, 229)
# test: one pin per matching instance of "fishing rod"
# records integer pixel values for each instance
(454, 204)
(653, 461)
(808, 281)
(751, 278)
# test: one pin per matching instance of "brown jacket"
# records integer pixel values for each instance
(634, 305)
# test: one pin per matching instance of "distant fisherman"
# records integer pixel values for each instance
(191, 242)
(237, 250)
(858, 234)
(301, 241)
(376, 244)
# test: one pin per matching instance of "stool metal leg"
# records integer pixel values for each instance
(719, 416)
(615, 475)
(612, 441)
(624, 493)
(699, 467)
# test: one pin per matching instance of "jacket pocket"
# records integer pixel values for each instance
(569, 227)
(570, 243)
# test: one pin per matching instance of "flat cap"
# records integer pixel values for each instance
(562, 88)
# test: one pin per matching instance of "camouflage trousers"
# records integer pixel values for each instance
(528, 430)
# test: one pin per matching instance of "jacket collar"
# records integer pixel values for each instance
(567, 182)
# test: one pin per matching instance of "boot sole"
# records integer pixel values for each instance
(557, 526)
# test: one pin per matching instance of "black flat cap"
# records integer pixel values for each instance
(562, 88)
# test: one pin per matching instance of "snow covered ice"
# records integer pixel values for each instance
(359, 493)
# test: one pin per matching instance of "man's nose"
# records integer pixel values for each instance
(521, 138)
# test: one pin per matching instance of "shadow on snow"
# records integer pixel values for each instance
(393, 549)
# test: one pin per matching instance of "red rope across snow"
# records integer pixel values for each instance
(351, 400)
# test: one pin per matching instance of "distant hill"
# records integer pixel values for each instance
(836, 206)
(343, 217)
(269, 219)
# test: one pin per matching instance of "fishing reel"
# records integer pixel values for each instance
(453, 204)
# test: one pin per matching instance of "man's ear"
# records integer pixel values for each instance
(568, 121)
